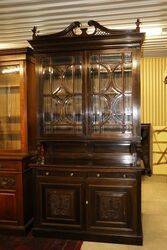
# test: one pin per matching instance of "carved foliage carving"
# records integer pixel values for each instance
(111, 206)
(60, 203)
(7, 182)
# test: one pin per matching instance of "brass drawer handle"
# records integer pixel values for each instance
(47, 173)
(98, 175)
(125, 176)
(4, 183)
(86, 202)
(72, 174)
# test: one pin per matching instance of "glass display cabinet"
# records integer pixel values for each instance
(109, 98)
(16, 79)
(88, 172)
(10, 79)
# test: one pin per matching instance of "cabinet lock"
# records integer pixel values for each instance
(98, 175)
(47, 173)
(86, 202)
(71, 174)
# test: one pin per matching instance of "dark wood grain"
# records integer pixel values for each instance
(16, 213)
(88, 183)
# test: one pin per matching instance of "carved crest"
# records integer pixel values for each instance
(86, 37)
(67, 32)
(75, 29)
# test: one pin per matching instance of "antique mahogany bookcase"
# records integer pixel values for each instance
(88, 173)
(17, 71)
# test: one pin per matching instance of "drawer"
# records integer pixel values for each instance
(7, 182)
(84, 174)
(124, 175)
(61, 173)
(10, 165)
(108, 147)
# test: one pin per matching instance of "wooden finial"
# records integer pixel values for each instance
(138, 25)
(34, 32)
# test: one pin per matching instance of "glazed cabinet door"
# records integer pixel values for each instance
(111, 81)
(61, 95)
(60, 202)
(111, 205)
(11, 87)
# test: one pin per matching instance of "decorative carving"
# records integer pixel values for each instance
(68, 32)
(7, 182)
(60, 203)
(110, 206)
(99, 30)
(40, 153)
(138, 25)
(136, 151)
(34, 31)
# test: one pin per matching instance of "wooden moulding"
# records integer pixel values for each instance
(101, 37)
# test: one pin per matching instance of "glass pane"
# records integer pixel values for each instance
(10, 137)
(114, 58)
(100, 78)
(73, 109)
(62, 95)
(122, 110)
(117, 78)
(101, 110)
(111, 84)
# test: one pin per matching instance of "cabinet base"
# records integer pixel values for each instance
(16, 230)
(112, 238)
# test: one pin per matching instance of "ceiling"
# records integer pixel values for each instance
(18, 17)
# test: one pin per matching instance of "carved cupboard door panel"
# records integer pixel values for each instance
(8, 199)
(60, 203)
(111, 205)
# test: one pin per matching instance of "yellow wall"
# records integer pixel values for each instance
(154, 107)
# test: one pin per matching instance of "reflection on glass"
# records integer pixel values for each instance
(73, 109)
(122, 109)
(101, 109)
(111, 81)
(117, 78)
(10, 137)
(100, 77)
(62, 93)
(113, 58)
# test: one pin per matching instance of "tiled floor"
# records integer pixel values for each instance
(154, 218)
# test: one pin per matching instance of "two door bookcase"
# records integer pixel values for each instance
(88, 173)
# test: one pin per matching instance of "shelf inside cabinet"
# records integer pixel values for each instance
(10, 86)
